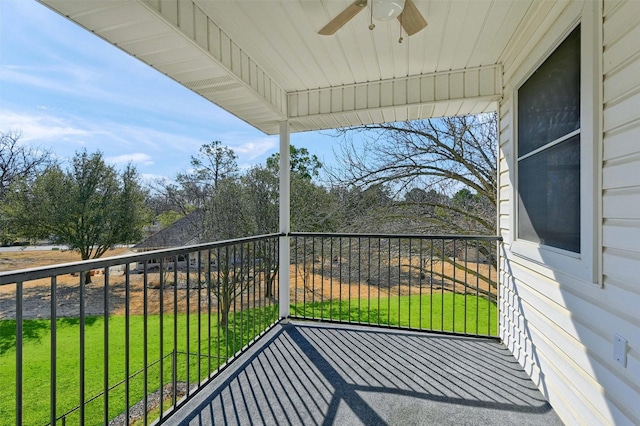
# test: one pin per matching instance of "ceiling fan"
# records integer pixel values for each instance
(381, 10)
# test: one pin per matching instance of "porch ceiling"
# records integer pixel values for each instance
(263, 61)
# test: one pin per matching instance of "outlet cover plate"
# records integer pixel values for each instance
(620, 350)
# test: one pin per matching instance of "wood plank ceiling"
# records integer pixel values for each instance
(263, 61)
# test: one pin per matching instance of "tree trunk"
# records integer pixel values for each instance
(224, 316)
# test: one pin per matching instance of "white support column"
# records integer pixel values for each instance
(285, 203)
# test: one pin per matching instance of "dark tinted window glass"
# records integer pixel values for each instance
(549, 102)
(549, 202)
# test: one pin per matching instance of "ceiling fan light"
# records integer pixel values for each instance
(385, 10)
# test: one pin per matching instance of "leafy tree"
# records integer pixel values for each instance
(261, 186)
(225, 213)
(302, 163)
(212, 169)
(167, 217)
(313, 209)
(89, 207)
(192, 189)
(361, 209)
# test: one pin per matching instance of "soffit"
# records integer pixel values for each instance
(263, 61)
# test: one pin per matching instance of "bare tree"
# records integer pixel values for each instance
(441, 178)
(18, 161)
(446, 155)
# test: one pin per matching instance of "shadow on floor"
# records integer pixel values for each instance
(316, 374)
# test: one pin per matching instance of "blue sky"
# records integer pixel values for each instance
(66, 90)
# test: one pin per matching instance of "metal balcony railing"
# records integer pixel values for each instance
(129, 339)
(436, 283)
(126, 340)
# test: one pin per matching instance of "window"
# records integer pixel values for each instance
(549, 150)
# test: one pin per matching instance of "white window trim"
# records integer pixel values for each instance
(587, 264)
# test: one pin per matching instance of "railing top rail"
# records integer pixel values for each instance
(21, 275)
(395, 236)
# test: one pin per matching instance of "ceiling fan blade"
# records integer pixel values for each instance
(345, 16)
(411, 19)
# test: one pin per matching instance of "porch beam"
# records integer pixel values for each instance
(285, 221)
(482, 84)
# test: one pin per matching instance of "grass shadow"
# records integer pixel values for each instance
(31, 330)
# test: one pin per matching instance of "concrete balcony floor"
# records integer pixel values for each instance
(320, 374)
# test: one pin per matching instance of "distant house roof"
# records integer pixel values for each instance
(184, 231)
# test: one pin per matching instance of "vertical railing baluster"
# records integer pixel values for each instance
(264, 284)
(260, 288)
(106, 346)
(379, 275)
(399, 280)
(234, 297)
(174, 359)
(466, 276)
(359, 275)
(199, 312)
(54, 350)
(241, 289)
(420, 278)
(455, 295)
(331, 279)
(313, 276)
(349, 272)
(19, 337)
(226, 307)
(127, 340)
(410, 260)
(208, 278)
(188, 322)
(477, 248)
(442, 275)
(161, 325)
(340, 279)
(322, 262)
(274, 303)
(490, 264)
(82, 344)
(369, 280)
(305, 272)
(145, 344)
(218, 307)
(388, 281)
(251, 255)
(431, 255)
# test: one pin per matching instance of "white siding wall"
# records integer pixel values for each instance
(559, 326)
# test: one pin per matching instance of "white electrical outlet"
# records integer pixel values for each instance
(620, 350)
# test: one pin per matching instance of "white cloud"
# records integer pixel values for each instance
(136, 158)
(41, 127)
(255, 148)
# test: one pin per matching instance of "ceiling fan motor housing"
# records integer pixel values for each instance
(386, 10)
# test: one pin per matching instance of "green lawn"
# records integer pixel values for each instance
(448, 312)
(441, 312)
(36, 364)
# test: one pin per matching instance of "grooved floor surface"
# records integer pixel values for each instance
(318, 374)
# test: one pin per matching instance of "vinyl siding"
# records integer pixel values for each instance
(559, 325)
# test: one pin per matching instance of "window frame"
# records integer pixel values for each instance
(545, 259)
